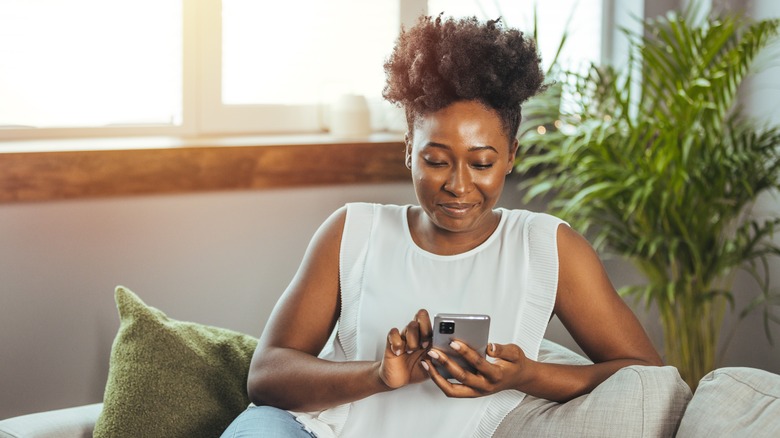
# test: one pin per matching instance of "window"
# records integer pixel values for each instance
(90, 63)
(321, 49)
(582, 19)
(193, 67)
(328, 58)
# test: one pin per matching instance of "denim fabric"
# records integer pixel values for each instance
(265, 421)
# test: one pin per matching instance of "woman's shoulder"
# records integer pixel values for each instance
(365, 206)
(544, 233)
(368, 212)
(531, 219)
(361, 217)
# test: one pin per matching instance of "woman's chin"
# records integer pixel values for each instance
(457, 223)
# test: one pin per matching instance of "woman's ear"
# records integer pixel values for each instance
(512, 155)
(408, 147)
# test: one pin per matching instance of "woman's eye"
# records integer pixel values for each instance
(482, 166)
(435, 163)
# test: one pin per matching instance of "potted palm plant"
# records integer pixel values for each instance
(658, 165)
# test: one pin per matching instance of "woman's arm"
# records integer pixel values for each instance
(597, 318)
(285, 371)
(593, 313)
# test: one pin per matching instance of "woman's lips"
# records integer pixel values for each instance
(456, 209)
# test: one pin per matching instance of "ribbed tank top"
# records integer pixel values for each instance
(385, 278)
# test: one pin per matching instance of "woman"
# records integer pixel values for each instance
(329, 362)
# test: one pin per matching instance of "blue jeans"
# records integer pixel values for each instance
(265, 421)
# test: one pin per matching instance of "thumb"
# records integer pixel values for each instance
(508, 352)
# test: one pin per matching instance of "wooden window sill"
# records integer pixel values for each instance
(66, 169)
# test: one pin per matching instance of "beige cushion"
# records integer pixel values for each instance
(71, 422)
(636, 401)
(742, 402)
(170, 378)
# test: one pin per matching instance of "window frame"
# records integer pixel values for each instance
(204, 114)
(189, 125)
(219, 118)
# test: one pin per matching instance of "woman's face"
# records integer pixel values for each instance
(459, 157)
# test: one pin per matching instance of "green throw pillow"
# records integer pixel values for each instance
(170, 378)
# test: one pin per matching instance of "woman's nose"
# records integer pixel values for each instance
(459, 181)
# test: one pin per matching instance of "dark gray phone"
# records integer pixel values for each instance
(472, 329)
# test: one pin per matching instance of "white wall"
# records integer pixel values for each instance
(215, 258)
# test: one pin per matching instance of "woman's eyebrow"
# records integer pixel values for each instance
(433, 144)
(482, 148)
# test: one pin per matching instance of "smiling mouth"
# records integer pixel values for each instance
(457, 209)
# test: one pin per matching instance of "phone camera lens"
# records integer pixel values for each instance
(447, 327)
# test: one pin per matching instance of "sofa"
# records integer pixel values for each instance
(173, 378)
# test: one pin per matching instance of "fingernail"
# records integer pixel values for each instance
(425, 344)
(425, 365)
(492, 347)
(433, 354)
(409, 351)
(455, 345)
(397, 352)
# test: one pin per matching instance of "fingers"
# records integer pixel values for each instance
(395, 343)
(418, 333)
(448, 388)
(411, 335)
(424, 324)
(489, 377)
(507, 352)
(468, 356)
(453, 367)
(415, 336)
(471, 356)
(401, 364)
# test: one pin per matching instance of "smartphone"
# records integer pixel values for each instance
(471, 329)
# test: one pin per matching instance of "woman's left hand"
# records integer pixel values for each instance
(508, 371)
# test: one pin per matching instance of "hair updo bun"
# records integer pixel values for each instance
(441, 61)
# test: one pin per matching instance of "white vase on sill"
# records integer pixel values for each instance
(350, 117)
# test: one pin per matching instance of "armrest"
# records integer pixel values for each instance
(76, 422)
(636, 401)
(551, 352)
(735, 401)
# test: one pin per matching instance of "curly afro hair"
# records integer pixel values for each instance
(438, 62)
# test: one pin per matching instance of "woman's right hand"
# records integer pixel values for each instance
(404, 350)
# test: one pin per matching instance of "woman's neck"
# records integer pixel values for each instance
(434, 239)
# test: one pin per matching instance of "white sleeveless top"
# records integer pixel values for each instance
(385, 278)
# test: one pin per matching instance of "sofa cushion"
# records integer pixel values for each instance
(172, 378)
(70, 422)
(734, 402)
(636, 401)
